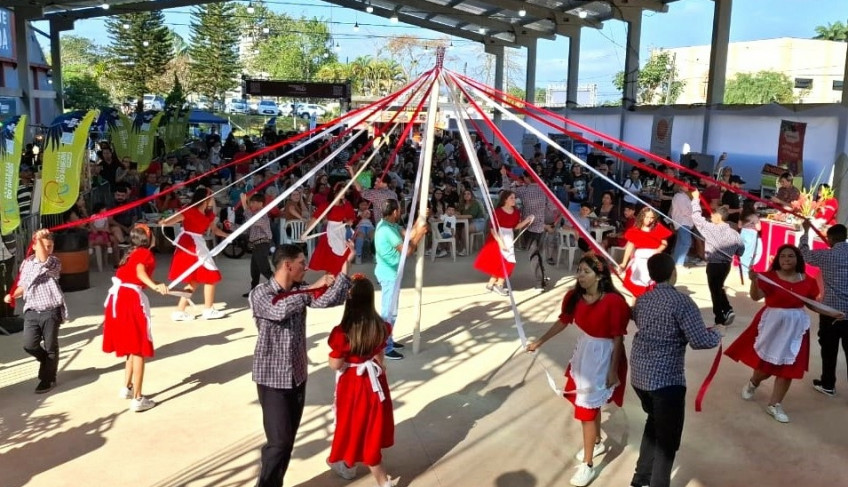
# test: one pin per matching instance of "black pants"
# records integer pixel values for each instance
(259, 263)
(831, 332)
(38, 326)
(534, 246)
(716, 275)
(661, 440)
(281, 413)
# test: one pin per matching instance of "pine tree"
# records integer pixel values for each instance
(176, 99)
(214, 49)
(140, 49)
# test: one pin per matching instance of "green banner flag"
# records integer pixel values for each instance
(145, 129)
(11, 146)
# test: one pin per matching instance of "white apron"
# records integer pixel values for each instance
(508, 250)
(779, 334)
(639, 267)
(200, 250)
(336, 232)
(145, 303)
(372, 369)
(589, 368)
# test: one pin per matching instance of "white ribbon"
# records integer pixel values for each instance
(112, 294)
(373, 370)
(200, 249)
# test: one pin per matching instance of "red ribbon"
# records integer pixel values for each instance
(316, 293)
(699, 399)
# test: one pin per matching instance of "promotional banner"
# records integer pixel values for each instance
(145, 129)
(11, 147)
(790, 146)
(661, 135)
(175, 130)
(117, 125)
(64, 159)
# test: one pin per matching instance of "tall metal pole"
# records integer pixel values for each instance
(429, 137)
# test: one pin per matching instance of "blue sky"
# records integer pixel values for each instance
(687, 23)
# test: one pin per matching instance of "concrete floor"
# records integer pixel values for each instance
(471, 408)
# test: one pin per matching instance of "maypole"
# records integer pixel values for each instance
(429, 137)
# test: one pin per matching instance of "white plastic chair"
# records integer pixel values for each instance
(567, 242)
(437, 239)
(472, 237)
(294, 230)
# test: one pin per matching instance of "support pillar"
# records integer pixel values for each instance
(26, 106)
(498, 51)
(530, 85)
(56, 27)
(633, 17)
(573, 70)
(717, 75)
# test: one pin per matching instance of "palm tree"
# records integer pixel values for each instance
(836, 31)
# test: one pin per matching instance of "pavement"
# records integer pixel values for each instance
(471, 408)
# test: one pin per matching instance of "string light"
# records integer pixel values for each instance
(482, 31)
(394, 18)
(266, 30)
(522, 13)
(356, 27)
(583, 14)
(250, 8)
(145, 43)
(338, 47)
(369, 8)
(126, 26)
(105, 6)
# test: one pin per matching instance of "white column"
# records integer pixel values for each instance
(717, 75)
(530, 85)
(573, 69)
(631, 66)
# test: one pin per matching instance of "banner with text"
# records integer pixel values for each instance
(11, 147)
(145, 129)
(790, 146)
(661, 135)
(117, 125)
(65, 155)
(176, 131)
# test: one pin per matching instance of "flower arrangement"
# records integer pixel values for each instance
(808, 205)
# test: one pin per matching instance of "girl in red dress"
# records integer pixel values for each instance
(499, 250)
(126, 326)
(646, 238)
(364, 416)
(191, 246)
(777, 342)
(598, 369)
(332, 251)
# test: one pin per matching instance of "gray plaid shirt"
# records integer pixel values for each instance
(40, 282)
(534, 202)
(833, 264)
(279, 360)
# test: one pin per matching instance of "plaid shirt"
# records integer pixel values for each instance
(378, 198)
(279, 360)
(833, 263)
(534, 202)
(40, 282)
(721, 241)
(261, 229)
(666, 320)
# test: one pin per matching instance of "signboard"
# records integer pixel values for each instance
(298, 89)
(790, 146)
(8, 106)
(7, 42)
(661, 135)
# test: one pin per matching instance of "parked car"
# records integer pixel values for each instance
(237, 106)
(253, 106)
(153, 102)
(286, 109)
(307, 110)
(267, 107)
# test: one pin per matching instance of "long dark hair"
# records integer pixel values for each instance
(363, 325)
(799, 259)
(502, 197)
(140, 238)
(605, 285)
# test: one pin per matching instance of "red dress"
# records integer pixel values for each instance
(742, 350)
(185, 255)
(605, 318)
(126, 327)
(364, 424)
(331, 252)
(641, 239)
(490, 258)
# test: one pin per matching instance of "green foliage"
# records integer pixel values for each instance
(658, 81)
(134, 64)
(82, 92)
(80, 55)
(176, 99)
(214, 49)
(296, 52)
(836, 31)
(759, 88)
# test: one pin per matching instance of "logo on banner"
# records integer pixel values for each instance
(11, 142)
(790, 146)
(661, 135)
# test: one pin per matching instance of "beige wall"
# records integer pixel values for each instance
(821, 61)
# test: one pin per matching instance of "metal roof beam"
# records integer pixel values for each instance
(126, 8)
(560, 18)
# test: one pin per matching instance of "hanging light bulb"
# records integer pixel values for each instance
(369, 8)
(145, 43)
(394, 18)
(482, 31)
(126, 26)
(250, 8)
(356, 27)
(266, 30)
(338, 47)
(326, 54)
(105, 6)
(522, 13)
(583, 14)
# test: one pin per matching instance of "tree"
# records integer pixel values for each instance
(176, 98)
(80, 55)
(836, 31)
(140, 49)
(296, 51)
(82, 92)
(214, 49)
(658, 80)
(414, 55)
(759, 88)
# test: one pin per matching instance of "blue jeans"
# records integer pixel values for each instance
(387, 287)
(360, 236)
(682, 245)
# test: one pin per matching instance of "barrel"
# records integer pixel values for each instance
(71, 247)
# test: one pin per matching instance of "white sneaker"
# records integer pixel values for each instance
(181, 316)
(776, 412)
(462, 253)
(212, 314)
(342, 470)
(748, 391)
(358, 260)
(125, 393)
(141, 404)
(599, 449)
(442, 253)
(584, 476)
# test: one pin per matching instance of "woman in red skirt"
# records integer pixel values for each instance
(191, 247)
(364, 416)
(598, 369)
(498, 253)
(777, 342)
(332, 251)
(644, 239)
(126, 326)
